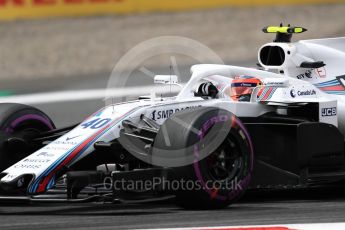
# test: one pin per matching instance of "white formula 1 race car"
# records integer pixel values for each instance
(228, 130)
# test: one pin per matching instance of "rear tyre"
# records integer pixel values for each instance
(218, 152)
(18, 125)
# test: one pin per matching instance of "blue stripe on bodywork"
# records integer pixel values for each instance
(335, 92)
(263, 93)
(35, 184)
(271, 94)
(328, 83)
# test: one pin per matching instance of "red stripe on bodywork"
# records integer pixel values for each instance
(260, 92)
(42, 186)
(333, 88)
(267, 94)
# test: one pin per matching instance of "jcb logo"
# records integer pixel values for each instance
(329, 112)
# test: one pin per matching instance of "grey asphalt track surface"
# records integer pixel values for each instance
(263, 208)
(256, 208)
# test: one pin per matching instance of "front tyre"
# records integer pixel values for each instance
(221, 152)
(18, 125)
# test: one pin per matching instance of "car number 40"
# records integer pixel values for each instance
(96, 123)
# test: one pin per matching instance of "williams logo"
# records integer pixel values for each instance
(329, 112)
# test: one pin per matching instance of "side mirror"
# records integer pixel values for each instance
(166, 79)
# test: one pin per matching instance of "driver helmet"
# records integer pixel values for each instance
(242, 87)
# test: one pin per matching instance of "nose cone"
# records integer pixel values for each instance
(16, 186)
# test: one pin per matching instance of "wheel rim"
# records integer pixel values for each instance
(226, 163)
(26, 129)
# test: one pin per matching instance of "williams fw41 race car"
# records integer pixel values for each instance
(228, 130)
